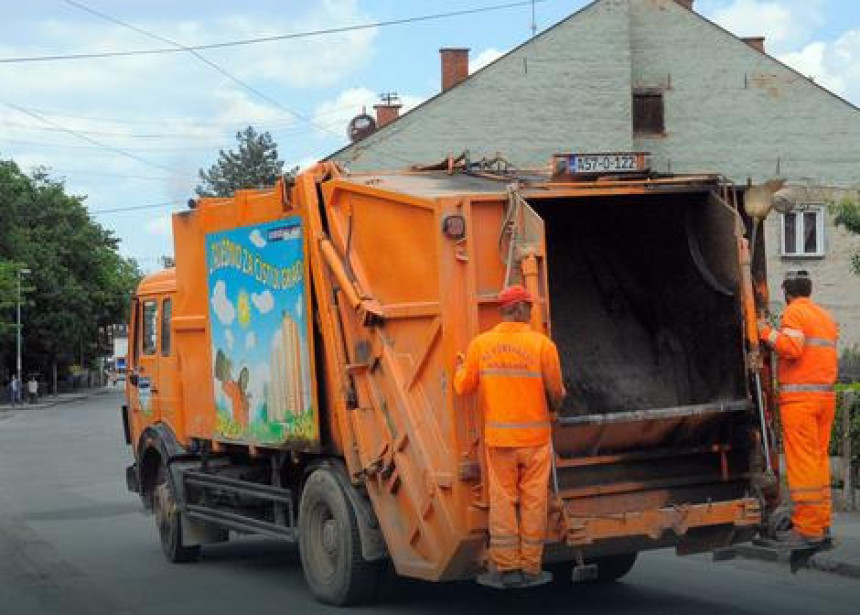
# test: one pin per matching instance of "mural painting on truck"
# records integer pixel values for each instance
(258, 307)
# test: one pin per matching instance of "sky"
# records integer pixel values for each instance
(146, 123)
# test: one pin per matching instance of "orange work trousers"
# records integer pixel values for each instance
(518, 477)
(807, 420)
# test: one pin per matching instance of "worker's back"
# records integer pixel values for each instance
(817, 363)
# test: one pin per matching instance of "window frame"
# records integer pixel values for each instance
(638, 131)
(799, 231)
(143, 328)
(165, 332)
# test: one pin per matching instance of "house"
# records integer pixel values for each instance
(655, 76)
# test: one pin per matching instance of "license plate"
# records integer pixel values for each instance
(605, 163)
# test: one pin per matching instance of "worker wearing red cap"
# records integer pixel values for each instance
(517, 374)
(808, 366)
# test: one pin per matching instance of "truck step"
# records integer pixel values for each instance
(240, 523)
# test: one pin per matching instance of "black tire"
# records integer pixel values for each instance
(610, 568)
(168, 520)
(330, 544)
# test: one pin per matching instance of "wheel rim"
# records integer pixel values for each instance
(324, 540)
(165, 511)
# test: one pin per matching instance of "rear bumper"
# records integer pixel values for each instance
(655, 524)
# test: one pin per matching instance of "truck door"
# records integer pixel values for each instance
(143, 381)
(167, 395)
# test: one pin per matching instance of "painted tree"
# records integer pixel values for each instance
(254, 164)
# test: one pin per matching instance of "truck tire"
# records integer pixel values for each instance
(168, 520)
(330, 544)
(610, 568)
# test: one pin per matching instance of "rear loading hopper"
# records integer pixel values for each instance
(641, 287)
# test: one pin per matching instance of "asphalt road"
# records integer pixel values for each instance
(74, 541)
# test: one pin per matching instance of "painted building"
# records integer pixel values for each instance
(652, 75)
(285, 393)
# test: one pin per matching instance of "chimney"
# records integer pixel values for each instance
(687, 4)
(388, 110)
(455, 66)
(756, 42)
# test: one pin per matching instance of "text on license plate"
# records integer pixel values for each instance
(604, 163)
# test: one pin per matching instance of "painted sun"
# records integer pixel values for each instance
(244, 309)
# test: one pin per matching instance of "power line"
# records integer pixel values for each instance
(269, 39)
(220, 70)
(90, 140)
(115, 210)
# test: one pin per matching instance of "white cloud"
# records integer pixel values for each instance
(228, 336)
(160, 226)
(256, 238)
(264, 301)
(250, 340)
(834, 65)
(487, 56)
(335, 114)
(224, 309)
(785, 24)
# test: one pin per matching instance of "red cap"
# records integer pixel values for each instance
(514, 294)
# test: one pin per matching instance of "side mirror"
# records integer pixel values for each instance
(133, 379)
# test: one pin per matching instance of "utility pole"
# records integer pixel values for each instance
(22, 271)
(534, 23)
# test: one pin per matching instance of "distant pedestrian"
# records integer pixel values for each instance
(15, 390)
(32, 389)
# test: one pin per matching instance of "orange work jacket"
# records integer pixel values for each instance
(806, 345)
(514, 369)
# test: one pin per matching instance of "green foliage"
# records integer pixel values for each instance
(255, 165)
(78, 280)
(836, 436)
(846, 213)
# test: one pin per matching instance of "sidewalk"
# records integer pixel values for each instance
(6, 408)
(843, 559)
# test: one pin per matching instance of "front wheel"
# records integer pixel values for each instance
(330, 544)
(168, 519)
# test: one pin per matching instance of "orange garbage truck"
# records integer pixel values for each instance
(292, 375)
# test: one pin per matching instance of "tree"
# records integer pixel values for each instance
(847, 215)
(255, 165)
(78, 283)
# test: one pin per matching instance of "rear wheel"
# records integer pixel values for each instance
(330, 544)
(168, 519)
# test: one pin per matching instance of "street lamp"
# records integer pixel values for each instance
(22, 271)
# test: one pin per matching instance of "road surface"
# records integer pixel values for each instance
(74, 541)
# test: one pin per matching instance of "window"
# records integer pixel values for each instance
(150, 318)
(803, 232)
(166, 314)
(136, 341)
(648, 113)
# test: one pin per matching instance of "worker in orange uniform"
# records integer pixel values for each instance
(808, 366)
(517, 374)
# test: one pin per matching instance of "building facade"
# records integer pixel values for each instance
(655, 76)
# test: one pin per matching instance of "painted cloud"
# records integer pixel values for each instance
(256, 238)
(223, 307)
(264, 301)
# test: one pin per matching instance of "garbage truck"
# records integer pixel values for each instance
(291, 376)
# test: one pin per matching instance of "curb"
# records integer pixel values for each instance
(823, 562)
(7, 410)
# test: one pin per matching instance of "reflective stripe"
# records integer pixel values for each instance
(524, 425)
(504, 541)
(807, 490)
(820, 341)
(773, 336)
(532, 541)
(806, 388)
(795, 333)
(511, 373)
(808, 502)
